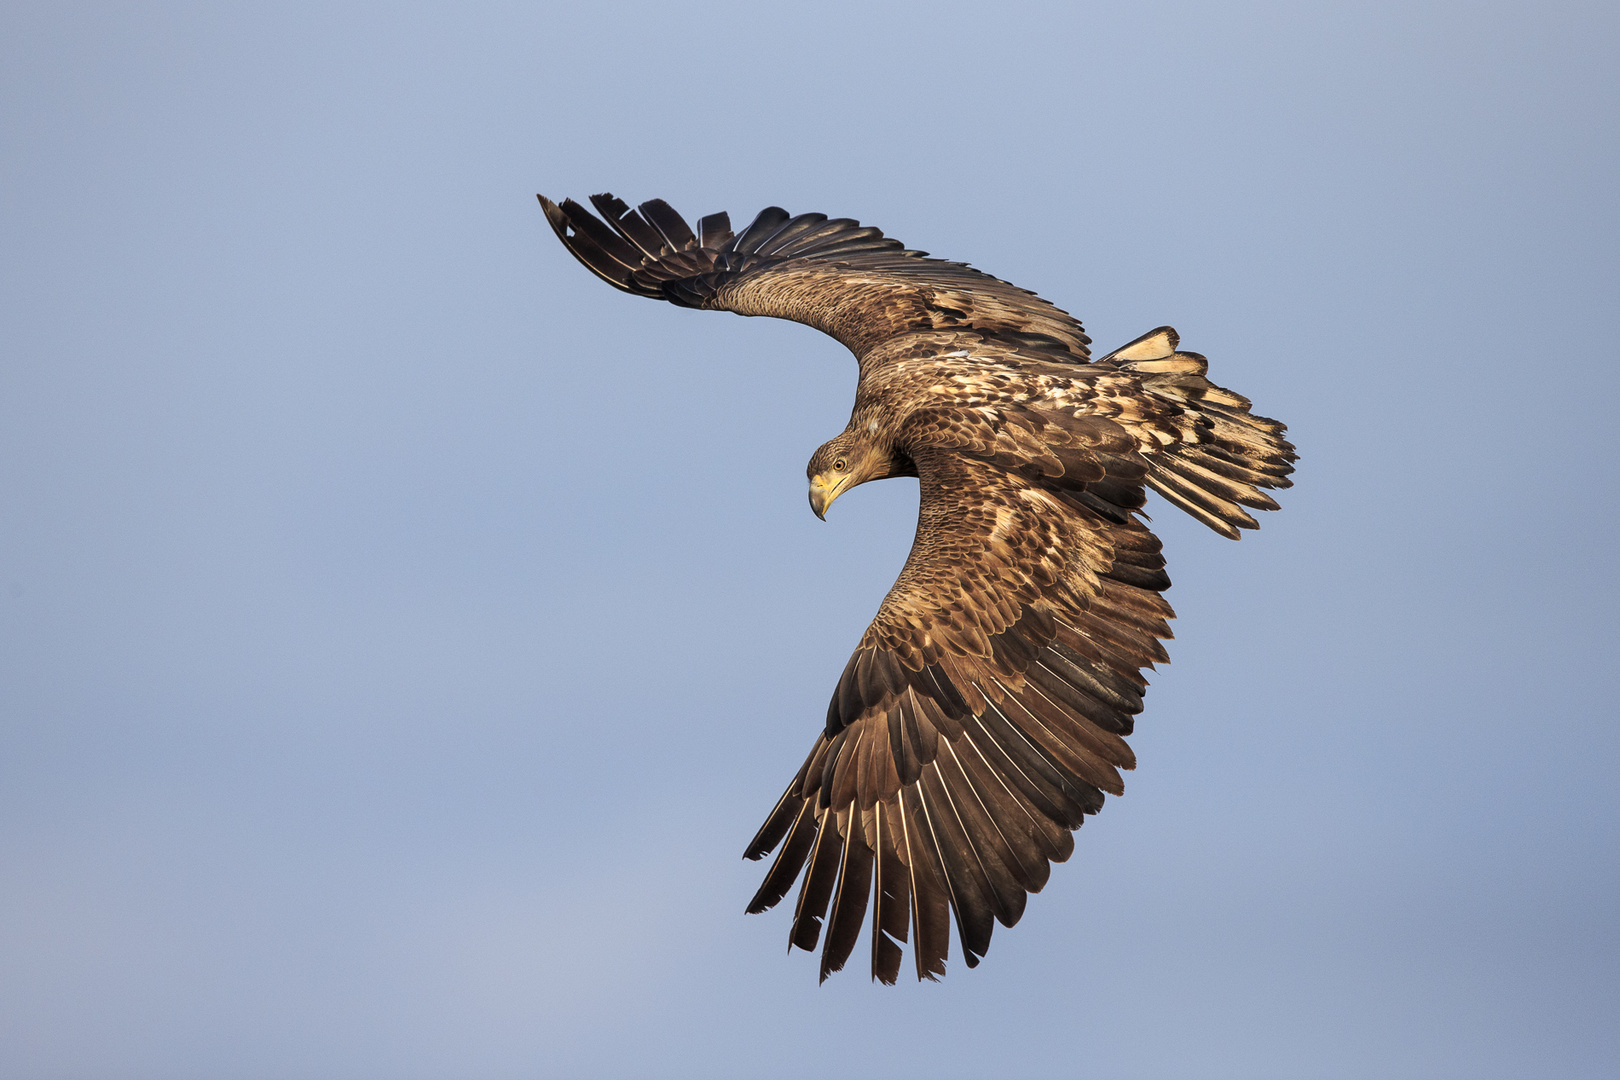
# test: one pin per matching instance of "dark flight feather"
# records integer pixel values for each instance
(891, 897)
(676, 232)
(930, 899)
(819, 880)
(789, 861)
(631, 226)
(849, 903)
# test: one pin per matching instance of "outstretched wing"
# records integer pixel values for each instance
(984, 713)
(831, 273)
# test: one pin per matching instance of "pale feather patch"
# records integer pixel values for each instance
(1005, 518)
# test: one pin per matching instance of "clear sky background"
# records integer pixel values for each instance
(402, 633)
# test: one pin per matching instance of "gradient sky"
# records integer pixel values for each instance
(402, 633)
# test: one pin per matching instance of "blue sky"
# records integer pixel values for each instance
(402, 633)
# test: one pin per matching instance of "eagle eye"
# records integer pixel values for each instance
(840, 465)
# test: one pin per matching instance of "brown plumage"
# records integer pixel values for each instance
(983, 714)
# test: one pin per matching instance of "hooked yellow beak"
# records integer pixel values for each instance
(823, 490)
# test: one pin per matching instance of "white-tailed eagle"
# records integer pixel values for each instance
(985, 710)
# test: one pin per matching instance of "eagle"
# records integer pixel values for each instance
(984, 712)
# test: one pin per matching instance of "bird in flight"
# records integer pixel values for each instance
(985, 710)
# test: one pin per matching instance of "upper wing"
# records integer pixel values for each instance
(833, 274)
(983, 714)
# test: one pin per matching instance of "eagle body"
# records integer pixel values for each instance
(984, 712)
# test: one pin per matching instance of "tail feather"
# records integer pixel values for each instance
(1237, 491)
(1224, 517)
(1227, 453)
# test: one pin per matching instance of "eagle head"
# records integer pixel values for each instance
(853, 458)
